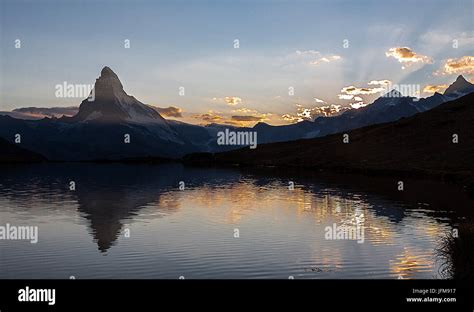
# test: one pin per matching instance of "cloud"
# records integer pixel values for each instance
(315, 58)
(169, 111)
(313, 112)
(229, 100)
(304, 114)
(318, 100)
(253, 117)
(327, 111)
(358, 105)
(384, 82)
(462, 65)
(308, 53)
(210, 117)
(325, 59)
(407, 56)
(351, 90)
(291, 118)
(434, 88)
(232, 100)
(244, 110)
(447, 38)
(355, 93)
(345, 96)
(234, 120)
(247, 118)
(349, 97)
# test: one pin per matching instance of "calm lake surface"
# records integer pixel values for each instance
(192, 232)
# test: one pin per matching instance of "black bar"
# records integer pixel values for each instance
(226, 294)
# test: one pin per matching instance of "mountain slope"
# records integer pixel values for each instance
(36, 113)
(60, 140)
(389, 107)
(459, 87)
(110, 103)
(419, 144)
(100, 128)
(12, 153)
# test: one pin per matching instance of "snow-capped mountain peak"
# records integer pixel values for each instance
(108, 83)
(110, 103)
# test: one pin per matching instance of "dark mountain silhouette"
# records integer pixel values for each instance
(389, 107)
(36, 113)
(421, 144)
(112, 104)
(459, 87)
(99, 129)
(12, 153)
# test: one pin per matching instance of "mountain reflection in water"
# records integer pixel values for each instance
(225, 223)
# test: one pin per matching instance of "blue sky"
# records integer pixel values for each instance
(190, 44)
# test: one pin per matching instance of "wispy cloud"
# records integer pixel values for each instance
(443, 38)
(345, 96)
(355, 94)
(232, 100)
(353, 91)
(209, 117)
(384, 82)
(325, 59)
(358, 105)
(407, 56)
(244, 110)
(313, 57)
(462, 65)
(247, 118)
(229, 100)
(250, 118)
(171, 111)
(434, 88)
(311, 113)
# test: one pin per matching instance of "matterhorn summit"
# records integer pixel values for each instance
(108, 102)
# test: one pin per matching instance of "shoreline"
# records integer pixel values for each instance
(464, 180)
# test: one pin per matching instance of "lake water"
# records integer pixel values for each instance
(133, 221)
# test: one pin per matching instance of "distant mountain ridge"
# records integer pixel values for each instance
(422, 144)
(36, 113)
(98, 128)
(386, 108)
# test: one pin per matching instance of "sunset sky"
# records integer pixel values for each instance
(190, 44)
